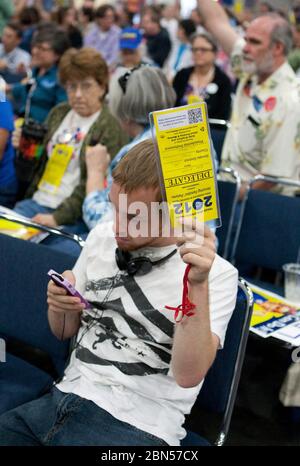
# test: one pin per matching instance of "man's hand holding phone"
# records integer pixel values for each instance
(59, 297)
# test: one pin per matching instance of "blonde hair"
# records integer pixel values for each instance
(138, 169)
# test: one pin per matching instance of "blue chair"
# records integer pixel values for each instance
(218, 129)
(268, 233)
(34, 357)
(228, 188)
(218, 393)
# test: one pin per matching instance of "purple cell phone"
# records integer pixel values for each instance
(59, 280)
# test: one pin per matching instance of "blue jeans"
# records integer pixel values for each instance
(65, 419)
(29, 208)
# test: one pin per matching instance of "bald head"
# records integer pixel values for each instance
(276, 28)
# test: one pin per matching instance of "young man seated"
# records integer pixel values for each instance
(134, 372)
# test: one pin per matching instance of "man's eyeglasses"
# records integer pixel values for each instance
(201, 49)
(124, 79)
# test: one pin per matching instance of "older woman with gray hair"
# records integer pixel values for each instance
(132, 97)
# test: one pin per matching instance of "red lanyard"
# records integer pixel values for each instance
(186, 307)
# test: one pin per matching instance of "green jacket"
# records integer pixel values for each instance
(106, 130)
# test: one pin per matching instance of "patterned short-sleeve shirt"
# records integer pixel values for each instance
(264, 136)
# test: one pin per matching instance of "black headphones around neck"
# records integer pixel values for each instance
(137, 265)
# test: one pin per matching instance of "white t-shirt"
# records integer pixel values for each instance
(77, 127)
(122, 363)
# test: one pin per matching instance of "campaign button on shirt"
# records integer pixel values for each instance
(212, 88)
(270, 104)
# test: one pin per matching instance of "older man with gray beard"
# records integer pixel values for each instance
(264, 136)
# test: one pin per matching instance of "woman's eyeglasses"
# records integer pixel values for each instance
(84, 86)
(42, 48)
(201, 49)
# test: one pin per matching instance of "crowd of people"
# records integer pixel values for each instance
(199, 55)
(85, 78)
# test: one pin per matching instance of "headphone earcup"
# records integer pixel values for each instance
(138, 266)
(132, 265)
(122, 259)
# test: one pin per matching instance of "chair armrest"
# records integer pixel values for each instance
(33, 355)
(51, 230)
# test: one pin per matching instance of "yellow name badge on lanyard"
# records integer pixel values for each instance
(56, 168)
(192, 99)
(186, 164)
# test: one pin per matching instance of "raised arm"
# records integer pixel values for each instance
(97, 161)
(217, 23)
(195, 346)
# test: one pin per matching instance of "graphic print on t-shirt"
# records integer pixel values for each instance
(143, 344)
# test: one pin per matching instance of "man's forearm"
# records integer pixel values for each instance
(211, 11)
(95, 182)
(263, 185)
(194, 346)
(260, 185)
(64, 325)
(217, 23)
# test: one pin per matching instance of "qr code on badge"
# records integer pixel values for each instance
(195, 116)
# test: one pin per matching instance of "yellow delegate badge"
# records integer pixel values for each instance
(187, 167)
(193, 99)
(56, 168)
(19, 122)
